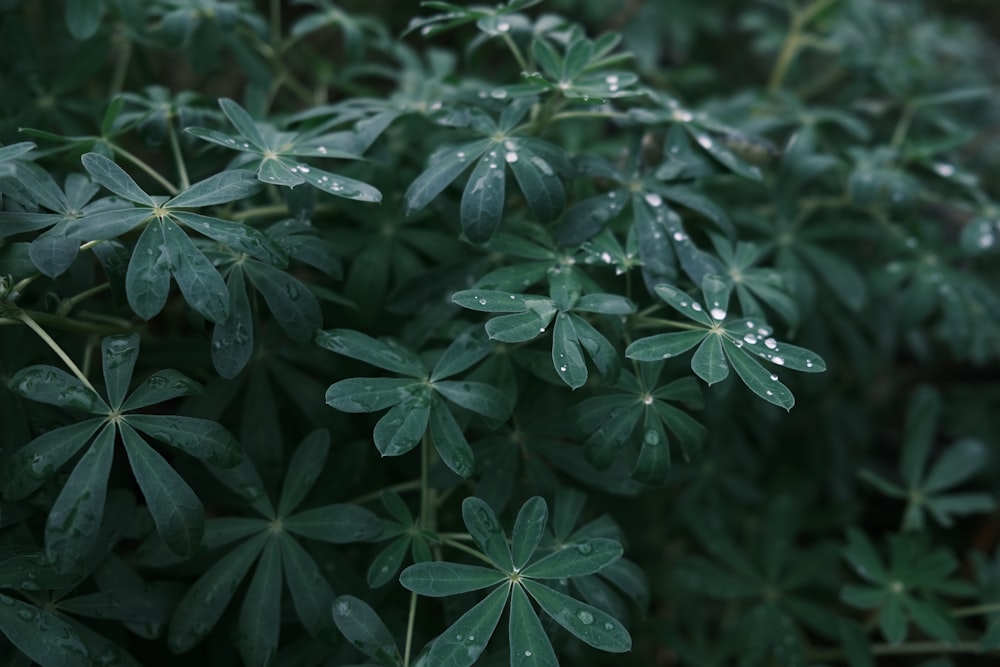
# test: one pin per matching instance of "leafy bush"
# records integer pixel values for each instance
(668, 330)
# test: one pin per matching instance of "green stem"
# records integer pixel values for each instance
(410, 620)
(121, 65)
(44, 335)
(69, 324)
(976, 610)
(512, 45)
(911, 648)
(402, 487)
(175, 148)
(275, 23)
(794, 41)
(155, 175)
(657, 322)
(467, 549)
(902, 127)
(66, 305)
(586, 114)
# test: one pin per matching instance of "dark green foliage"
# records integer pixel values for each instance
(440, 334)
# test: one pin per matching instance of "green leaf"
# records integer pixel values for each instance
(591, 625)
(840, 276)
(462, 643)
(369, 394)
(543, 190)
(34, 463)
(520, 327)
(476, 396)
(485, 529)
(83, 17)
(236, 235)
(279, 172)
(311, 593)
(447, 166)
(449, 441)
(653, 463)
(292, 304)
(243, 122)
(356, 345)
(303, 470)
(664, 346)
(74, 521)
(757, 378)
(49, 640)
(363, 628)
(233, 338)
(386, 563)
(683, 304)
(709, 362)
(48, 384)
(340, 185)
(863, 557)
(716, 292)
(725, 157)
(604, 355)
(338, 524)
(114, 178)
(102, 225)
(202, 606)
(260, 615)
(159, 387)
(31, 571)
(606, 304)
(118, 354)
(958, 463)
(491, 301)
(200, 282)
(468, 348)
(400, 429)
(176, 510)
(529, 645)
(220, 188)
(205, 440)
(567, 355)
(576, 560)
(438, 580)
(483, 199)
(528, 530)
(147, 280)
(922, 417)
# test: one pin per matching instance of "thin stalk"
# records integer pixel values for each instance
(466, 549)
(794, 41)
(66, 305)
(155, 175)
(512, 45)
(121, 65)
(175, 148)
(976, 610)
(411, 619)
(44, 335)
(587, 114)
(910, 648)
(655, 322)
(402, 487)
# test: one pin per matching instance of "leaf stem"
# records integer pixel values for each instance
(654, 322)
(976, 610)
(402, 487)
(514, 49)
(175, 148)
(410, 620)
(66, 305)
(152, 173)
(44, 335)
(794, 41)
(454, 544)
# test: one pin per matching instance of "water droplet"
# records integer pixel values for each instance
(584, 548)
(609, 626)
(527, 654)
(652, 438)
(705, 141)
(666, 355)
(682, 116)
(648, 400)
(750, 339)
(562, 369)
(770, 393)
(774, 378)
(482, 302)
(321, 149)
(778, 360)
(304, 169)
(679, 236)
(809, 363)
(503, 26)
(718, 314)
(471, 638)
(771, 344)
(585, 617)
(460, 155)
(510, 156)
(653, 199)
(696, 307)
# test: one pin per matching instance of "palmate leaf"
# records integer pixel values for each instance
(260, 615)
(310, 591)
(463, 642)
(275, 154)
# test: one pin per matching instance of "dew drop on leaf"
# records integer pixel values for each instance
(585, 617)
